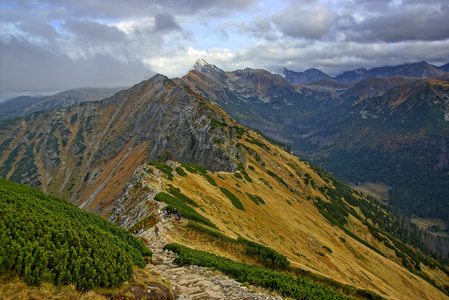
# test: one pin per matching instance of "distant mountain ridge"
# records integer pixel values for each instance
(308, 76)
(416, 70)
(25, 105)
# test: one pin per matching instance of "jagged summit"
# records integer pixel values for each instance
(159, 78)
(203, 66)
(201, 62)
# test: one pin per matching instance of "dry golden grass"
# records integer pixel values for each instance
(16, 289)
(295, 228)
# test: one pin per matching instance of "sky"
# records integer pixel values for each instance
(47, 46)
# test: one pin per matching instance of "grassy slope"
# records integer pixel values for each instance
(291, 224)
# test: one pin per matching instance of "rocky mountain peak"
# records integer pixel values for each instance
(159, 78)
(444, 68)
(204, 67)
(200, 63)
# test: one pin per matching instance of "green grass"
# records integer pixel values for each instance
(194, 168)
(256, 199)
(181, 172)
(167, 170)
(176, 192)
(216, 123)
(279, 179)
(210, 180)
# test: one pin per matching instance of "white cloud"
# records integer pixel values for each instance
(55, 45)
(310, 22)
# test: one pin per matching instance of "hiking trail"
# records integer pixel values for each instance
(193, 282)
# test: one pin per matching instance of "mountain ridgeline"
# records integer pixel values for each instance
(256, 212)
(415, 70)
(87, 152)
(24, 105)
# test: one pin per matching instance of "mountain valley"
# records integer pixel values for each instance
(369, 131)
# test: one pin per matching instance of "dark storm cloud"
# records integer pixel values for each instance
(39, 29)
(414, 22)
(165, 22)
(40, 53)
(305, 22)
(106, 9)
(261, 27)
(93, 31)
(193, 6)
(366, 21)
(33, 69)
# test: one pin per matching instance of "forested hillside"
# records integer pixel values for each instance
(47, 239)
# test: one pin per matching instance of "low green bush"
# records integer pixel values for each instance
(284, 285)
(234, 200)
(46, 239)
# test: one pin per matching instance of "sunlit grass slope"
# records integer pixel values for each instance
(302, 212)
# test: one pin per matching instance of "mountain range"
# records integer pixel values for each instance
(383, 130)
(415, 70)
(341, 126)
(25, 105)
(175, 141)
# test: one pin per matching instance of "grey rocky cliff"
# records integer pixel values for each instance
(177, 125)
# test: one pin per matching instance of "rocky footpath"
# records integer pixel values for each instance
(193, 282)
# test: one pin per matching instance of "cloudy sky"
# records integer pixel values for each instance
(52, 45)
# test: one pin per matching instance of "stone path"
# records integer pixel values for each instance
(193, 282)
